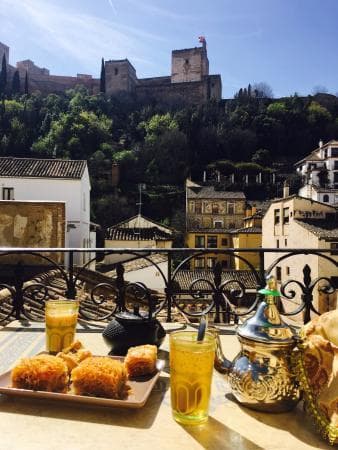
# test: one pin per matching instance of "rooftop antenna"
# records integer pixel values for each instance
(141, 186)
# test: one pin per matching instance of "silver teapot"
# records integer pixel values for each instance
(261, 376)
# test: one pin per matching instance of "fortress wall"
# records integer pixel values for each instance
(155, 81)
(193, 92)
(59, 84)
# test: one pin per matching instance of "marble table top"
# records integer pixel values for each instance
(33, 424)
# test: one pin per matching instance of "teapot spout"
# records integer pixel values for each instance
(221, 363)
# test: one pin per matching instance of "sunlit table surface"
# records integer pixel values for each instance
(43, 424)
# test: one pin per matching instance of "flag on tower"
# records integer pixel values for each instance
(201, 39)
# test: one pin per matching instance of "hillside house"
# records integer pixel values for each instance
(211, 216)
(53, 180)
(297, 222)
(320, 173)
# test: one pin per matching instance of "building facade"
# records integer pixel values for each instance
(211, 216)
(295, 222)
(320, 173)
(249, 236)
(52, 180)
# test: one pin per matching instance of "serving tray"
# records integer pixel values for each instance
(141, 388)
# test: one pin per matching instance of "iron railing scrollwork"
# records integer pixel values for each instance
(227, 294)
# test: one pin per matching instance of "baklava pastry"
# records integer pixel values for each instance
(41, 373)
(141, 360)
(100, 376)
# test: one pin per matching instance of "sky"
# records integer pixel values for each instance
(289, 44)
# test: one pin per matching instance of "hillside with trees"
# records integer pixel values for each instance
(161, 144)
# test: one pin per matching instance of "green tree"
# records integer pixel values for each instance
(16, 83)
(26, 88)
(3, 75)
(103, 77)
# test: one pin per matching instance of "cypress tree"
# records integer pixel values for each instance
(16, 83)
(26, 83)
(3, 74)
(103, 77)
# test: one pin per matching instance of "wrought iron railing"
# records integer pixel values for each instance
(226, 294)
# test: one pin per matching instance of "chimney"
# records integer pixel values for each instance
(204, 176)
(248, 211)
(320, 143)
(254, 210)
(286, 189)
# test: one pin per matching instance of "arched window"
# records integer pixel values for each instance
(325, 198)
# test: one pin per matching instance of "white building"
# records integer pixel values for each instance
(320, 173)
(294, 222)
(52, 180)
(137, 232)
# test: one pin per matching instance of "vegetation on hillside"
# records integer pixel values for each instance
(160, 144)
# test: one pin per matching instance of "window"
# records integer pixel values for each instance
(277, 216)
(212, 241)
(231, 208)
(7, 193)
(198, 207)
(277, 243)
(186, 61)
(334, 152)
(199, 263)
(116, 71)
(334, 248)
(285, 242)
(199, 242)
(211, 262)
(279, 273)
(325, 198)
(232, 225)
(224, 242)
(224, 263)
(215, 209)
(287, 270)
(335, 165)
(218, 224)
(286, 215)
(335, 177)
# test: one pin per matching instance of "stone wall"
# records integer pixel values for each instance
(120, 76)
(189, 65)
(32, 224)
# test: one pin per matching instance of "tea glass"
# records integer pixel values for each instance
(61, 320)
(191, 368)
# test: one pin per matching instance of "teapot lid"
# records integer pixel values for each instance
(266, 325)
(135, 316)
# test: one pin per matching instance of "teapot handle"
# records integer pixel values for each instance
(221, 363)
(147, 295)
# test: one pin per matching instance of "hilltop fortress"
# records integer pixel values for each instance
(189, 81)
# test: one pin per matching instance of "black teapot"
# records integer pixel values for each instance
(129, 329)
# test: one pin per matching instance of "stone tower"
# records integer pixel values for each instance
(120, 76)
(4, 49)
(190, 64)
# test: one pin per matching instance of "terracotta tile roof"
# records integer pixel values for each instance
(41, 168)
(135, 234)
(248, 230)
(210, 192)
(210, 230)
(322, 228)
(184, 278)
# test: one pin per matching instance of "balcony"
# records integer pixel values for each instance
(163, 283)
